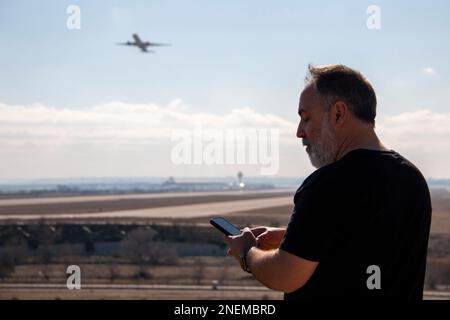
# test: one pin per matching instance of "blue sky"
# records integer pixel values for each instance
(224, 56)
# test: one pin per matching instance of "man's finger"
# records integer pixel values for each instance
(227, 239)
(262, 235)
(257, 231)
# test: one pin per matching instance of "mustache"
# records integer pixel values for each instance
(305, 142)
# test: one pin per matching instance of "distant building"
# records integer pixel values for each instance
(172, 185)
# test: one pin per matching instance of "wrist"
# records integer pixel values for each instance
(243, 260)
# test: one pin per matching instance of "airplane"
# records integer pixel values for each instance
(142, 45)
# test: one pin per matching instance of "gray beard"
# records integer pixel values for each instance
(324, 150)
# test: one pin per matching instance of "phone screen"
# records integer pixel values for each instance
(226, 227)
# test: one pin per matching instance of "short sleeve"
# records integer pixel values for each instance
(313, 227)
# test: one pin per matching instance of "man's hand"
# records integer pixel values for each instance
(240, 243)
(268, 238)
(276, 269)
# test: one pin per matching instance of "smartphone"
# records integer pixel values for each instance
(226, 227)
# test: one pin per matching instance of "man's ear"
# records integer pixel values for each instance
(340, 113)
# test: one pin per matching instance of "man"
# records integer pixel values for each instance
(361, 221)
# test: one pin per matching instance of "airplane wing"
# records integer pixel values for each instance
(154, 44)
(136, 38)
(128, 43)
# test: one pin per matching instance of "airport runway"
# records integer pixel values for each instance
(165, 205)
(75, 199)
(179, 211)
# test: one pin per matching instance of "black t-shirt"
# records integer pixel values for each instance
(370, 208)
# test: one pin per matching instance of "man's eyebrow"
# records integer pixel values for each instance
(300, 111)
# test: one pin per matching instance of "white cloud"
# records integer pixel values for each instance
(120, 121)
(422, 136)
(429, 71)
(113, 139)
(120, 139)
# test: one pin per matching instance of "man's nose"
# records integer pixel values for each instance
(300, 132)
